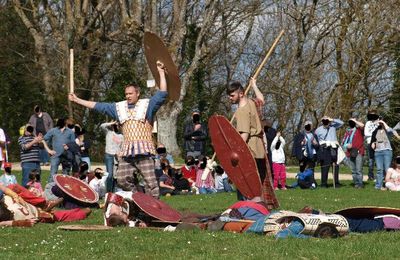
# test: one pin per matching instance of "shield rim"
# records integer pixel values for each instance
(73, 196)
(379, 210)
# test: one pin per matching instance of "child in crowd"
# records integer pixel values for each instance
(189, 171)
(305, 178)
(34, 185)
(204, 178)
(222, 180)
(278, 161)
(180, 183)
(7, 177)
(166, 184)
(393, 176)
(98, 182)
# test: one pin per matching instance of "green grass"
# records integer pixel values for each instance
(46, 241)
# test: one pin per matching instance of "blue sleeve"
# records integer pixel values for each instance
(155, 103)
(107, 108)
(170, 159)
(1, 194)
(337, 123)
(48, 135)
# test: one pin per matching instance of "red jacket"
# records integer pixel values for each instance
(189, 173)
(357, 142)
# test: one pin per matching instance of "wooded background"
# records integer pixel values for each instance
(337, 58)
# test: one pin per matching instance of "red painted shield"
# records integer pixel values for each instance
(155, 50)
(76, 188)
(235, 156)
(367, 212)
(156, 208)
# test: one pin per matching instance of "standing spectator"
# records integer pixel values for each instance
(380, 143)
(278, 161)
(195, 135)
(29, 151)
(2, 145)
(369, 128)
(353, 144)
(84, 144)
(42, 123)
(114, 140)
(305, 147)
(269, 135)
(328, 149)
(59, 137)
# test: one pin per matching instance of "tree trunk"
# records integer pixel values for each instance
(167, 125)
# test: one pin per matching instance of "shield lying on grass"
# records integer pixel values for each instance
(367, 212)
(156, 208)
(76, 188)
(84, 227)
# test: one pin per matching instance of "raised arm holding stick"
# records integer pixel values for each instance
(136, 118)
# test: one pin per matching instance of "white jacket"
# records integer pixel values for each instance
(278, 155)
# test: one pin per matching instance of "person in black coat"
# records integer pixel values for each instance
(305, 147)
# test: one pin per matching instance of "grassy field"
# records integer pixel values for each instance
(45, 241)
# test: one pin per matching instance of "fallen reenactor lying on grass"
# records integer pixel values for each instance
(20, 207)
(123, 209)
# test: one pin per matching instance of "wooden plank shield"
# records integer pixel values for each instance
(84, 227)
(156, 208)
(76, 188)
(155, 50)
(235, 156)
(367, 212)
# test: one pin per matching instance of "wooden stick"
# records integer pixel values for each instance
(258, 72)
(264, 61)
(71, 70)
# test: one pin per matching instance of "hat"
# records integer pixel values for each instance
(195, 110)
(308, 122)
(7, 165)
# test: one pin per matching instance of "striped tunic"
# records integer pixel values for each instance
(31, 154)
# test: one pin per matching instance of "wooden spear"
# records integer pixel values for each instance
(71, 71)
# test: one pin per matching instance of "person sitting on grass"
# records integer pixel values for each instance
(221, 180)
(189, 170)
(181, 184)
(393, 176)
(98, 183)
(7, 177)
(34, 185)
(204, 178)
(305, 178)
(167, 187)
